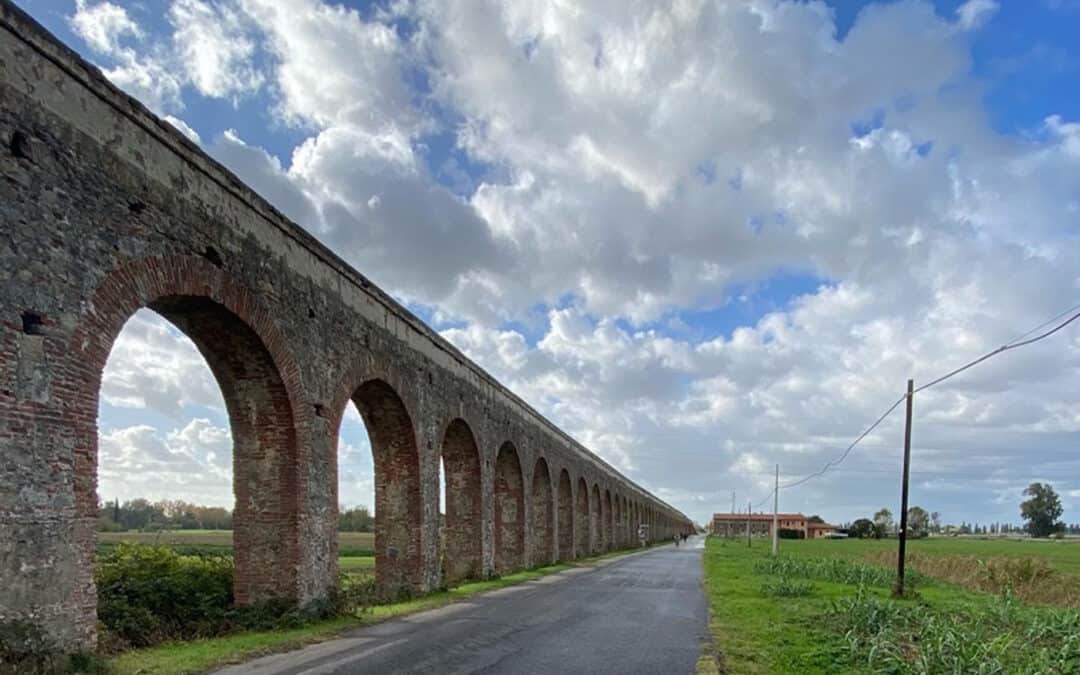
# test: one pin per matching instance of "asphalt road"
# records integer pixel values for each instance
(644, 613)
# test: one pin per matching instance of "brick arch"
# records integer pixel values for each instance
(565, 516)
(462, 538)
(259, 381)
(619, 538)
(596, 522)
(543, 521)
(398, 489)
(607, 521)
(582, 519)
(509, 498)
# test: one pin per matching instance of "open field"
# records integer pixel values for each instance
(350, 544)
(808, 613)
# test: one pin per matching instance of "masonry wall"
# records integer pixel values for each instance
(105, 209)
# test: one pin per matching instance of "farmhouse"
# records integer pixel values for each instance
(734, 525)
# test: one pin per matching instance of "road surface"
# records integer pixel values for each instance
(644, 613)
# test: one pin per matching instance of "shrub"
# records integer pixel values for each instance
(148, 594)
(784, 533)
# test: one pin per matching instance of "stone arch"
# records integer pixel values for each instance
(543, 512)
(582, 520)
(617, 515)
(509, 511)
(565, 511)
(462, 539)
(596, 523)
(608, 516)
(398, 489)
(260, 384)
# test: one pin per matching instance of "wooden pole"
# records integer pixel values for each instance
(748, 503)
(899, 591)
(776, 514)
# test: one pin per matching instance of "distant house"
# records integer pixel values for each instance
(734, 525)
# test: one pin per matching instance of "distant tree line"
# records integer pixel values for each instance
(1041, 511)
(142, 514)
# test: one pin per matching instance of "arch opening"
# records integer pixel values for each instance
(596, 528)
(239, 439)
(509, 500)
(609, 522)
(396, 460)
(462, 514)
(543, 521)
(565, 516)
(582, 520)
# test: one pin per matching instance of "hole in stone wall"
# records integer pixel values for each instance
(319, 410)
(310, 313)
(32, 323)
(136, 207)
(211, 254)
(20, 145)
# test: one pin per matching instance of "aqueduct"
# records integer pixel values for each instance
(106, 209)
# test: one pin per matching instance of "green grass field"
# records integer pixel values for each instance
(223, 538)
(799, 617)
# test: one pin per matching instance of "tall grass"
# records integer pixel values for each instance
(887, 637)
(1030, 579)
(836, 570)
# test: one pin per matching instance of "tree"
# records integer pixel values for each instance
(1041, 511)
(935, 519)
(918, 522)
(883, 523)
(357, 519)
(815, 519)
(863, 528)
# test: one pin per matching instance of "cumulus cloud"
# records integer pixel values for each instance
(214, 45)
(642, 167)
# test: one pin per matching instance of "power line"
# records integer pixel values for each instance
(1015, 344)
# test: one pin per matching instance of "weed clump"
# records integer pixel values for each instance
(783, 587)
(836, 570)
(886, 637)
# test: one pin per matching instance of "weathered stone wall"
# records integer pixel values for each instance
(105, 209)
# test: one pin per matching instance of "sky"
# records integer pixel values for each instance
(704, 238)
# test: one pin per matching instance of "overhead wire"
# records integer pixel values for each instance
(1021, 341)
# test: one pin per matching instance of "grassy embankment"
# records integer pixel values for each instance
(825, 607)
(201, 655)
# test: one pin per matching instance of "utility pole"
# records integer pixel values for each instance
(748, 503)
(730, 534)
(776, 514)
(899, 591)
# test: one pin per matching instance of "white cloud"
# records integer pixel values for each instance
(213, 44)
(103, 25)
(647, 166)
(975, 13)
(184, 128)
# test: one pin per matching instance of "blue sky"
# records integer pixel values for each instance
(717, 241)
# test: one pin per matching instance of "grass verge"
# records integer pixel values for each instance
(765, 621)
(197, 656)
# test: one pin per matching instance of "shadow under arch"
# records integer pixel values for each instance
(398, 507)
(543, 522)
(462, 542)
(582, 520)
(565, 511)
(509, 511)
